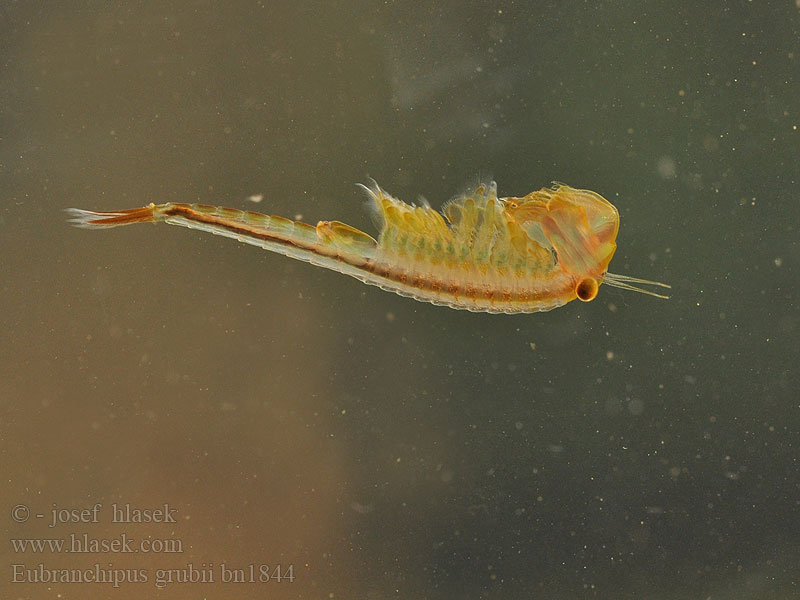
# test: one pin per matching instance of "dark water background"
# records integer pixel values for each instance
(383, 447)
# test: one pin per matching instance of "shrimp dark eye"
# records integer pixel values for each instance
(587, 289)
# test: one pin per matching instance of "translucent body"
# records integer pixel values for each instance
(482, 253)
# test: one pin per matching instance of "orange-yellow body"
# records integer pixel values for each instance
(482, 253)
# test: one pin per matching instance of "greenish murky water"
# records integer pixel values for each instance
(383, 448)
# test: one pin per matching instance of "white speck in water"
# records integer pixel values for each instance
(636, 406)
(361, 509)
(666, 167)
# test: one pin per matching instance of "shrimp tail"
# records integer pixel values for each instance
(330, 244)
(89, 219)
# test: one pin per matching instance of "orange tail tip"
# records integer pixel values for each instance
(91, 220)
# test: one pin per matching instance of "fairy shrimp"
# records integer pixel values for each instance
(481, 253)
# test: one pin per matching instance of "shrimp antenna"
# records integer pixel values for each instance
(626, 282)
